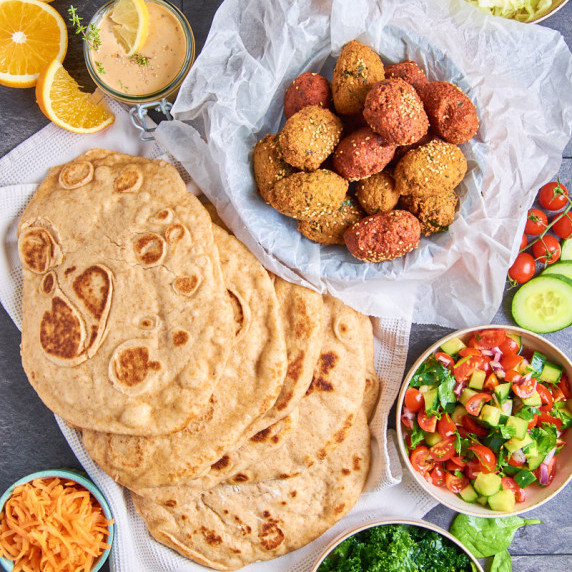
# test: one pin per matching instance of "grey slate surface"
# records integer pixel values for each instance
(30, 439)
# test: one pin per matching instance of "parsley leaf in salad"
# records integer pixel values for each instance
(545, 437)
(430, 372)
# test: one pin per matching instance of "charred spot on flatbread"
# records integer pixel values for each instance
(93, 288)
(132, 365)
(48, 283)
(222, 463)
(174, 233)
(186, 285)
(76, 174)
(61, 332)
(180, 338)
(270, 535)
(149, 248)
(129, 180)
(37, 249)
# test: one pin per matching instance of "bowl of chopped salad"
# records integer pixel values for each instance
(483, 418)
(522, 10)
(396, 544)
(54, 520)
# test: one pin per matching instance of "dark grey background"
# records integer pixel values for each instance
(30, 439)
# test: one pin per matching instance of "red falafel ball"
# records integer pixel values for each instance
(394, 110)
(361, 154)
(307, 89)
(383, 236)
(451, 113)
(408, 71)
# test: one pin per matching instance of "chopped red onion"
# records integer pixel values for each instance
(458, 389)
(498, 356)
(548, 457)
(506, 407)
(519, 457)
(543, 478)
(527, 376)
(487, 352)
(496, 365)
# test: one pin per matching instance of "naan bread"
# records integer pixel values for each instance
(248, 387)
(372, 382)
(127, 324)
(230, 526)
(331, 404)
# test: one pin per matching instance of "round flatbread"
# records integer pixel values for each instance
(249, 386)
(127, 324)
(232, 526)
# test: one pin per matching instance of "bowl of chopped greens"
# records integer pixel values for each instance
(482, 420)
(395, 545)
(521, 10)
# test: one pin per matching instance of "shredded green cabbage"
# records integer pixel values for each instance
(521, 10)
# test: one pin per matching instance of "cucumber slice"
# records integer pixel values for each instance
(566, 252)
(544, 304)
(564, 268)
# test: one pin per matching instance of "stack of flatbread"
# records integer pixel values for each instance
(233, 404)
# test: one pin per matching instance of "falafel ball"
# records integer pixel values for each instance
(377, 193)
(330, 228)
(408, 71)
(269, 165)
(307, 89)
(434, 212)
(357, 69)
(451, 113)
(430, 169)
(361, 154)
(305, 196)
(309, 137)
(394, 110)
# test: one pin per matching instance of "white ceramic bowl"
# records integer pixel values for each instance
(556, 5)
(68, 475)
(386, 521)
(535, 494)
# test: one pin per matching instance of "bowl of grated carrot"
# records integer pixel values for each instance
(54, 520)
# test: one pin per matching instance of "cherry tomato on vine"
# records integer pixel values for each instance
(563, 226)
(523, 268)
(523, 242)
(536, 222)
(546, 250)
(553, 196)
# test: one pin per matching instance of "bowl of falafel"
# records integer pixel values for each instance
(369, 160)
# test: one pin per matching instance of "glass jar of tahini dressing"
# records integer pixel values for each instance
(157, 70)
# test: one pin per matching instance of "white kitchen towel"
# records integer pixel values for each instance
(390, 491)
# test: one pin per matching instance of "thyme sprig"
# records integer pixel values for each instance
(90, 32)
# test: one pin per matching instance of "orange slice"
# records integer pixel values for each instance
(62, 101)
(131, 19)
(32, 34)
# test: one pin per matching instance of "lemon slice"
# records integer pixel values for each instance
(62, 101)
(131, 18)
(32, 34)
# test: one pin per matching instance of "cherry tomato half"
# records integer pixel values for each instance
(445, 359)
(487, 339)
(510, 483)
(421, 460)
(443, 450)
(436, 476)
(413, 400)
(445, 426)
(564, 385)
(473, 427)
(469, 351)
(475, 403)
(524, 387)
(428, 424)
(456, 463)
(553, 196)
(466, 366)
(536, 222)
(545, 418)
(509, 346)
(557, 394)
(455, 484)
(473, 468)
(546, 397)
(485, 456)
(547, 249)
(563, 226)
(510, 361)
(523, 268)
(491, 382)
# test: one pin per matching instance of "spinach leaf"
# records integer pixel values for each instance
(502, 562)
(446, 395)
(545, 437)
(485, 537)
(430, 372)
(559, 410)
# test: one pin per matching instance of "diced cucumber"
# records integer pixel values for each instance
(566, 252)
(520, 426)
(515, 444)
(563, 267)
(516, 338)
(483, 500)
(544, 304)
(533, 401)
(468, 494)
(504, 500)
(551, 372)
(458, 414)
(502, 391)
(477, 379)
(432, 438)
(490, 415)
(431, 397)
(537, 361)
(453, 346)
(466, 394)
(524, 478)
(534, 461)
(531, 451)
(487, 484)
